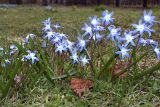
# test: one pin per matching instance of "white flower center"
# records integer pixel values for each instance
(75, 57)
(94, 22)
(82, 43)
(32, 55)
(124, 51)
(147, 18)
(107, 17)
(140, 28)
(113, 31)
(89, 29)
(156, 50)
(129, 38)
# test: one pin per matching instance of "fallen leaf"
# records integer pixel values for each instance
(118, 69)
(79, 86)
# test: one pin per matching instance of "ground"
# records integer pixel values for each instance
(16, 23)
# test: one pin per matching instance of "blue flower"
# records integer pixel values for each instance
(31, 56)
(129, 38)
(87, 29)
(98, 37)
(60, 48)
(94, 21)
(30, 36)
(47, 28)
(62, 36)
(13, 49)
(152, 42)
(157, 51)
(1, 49)
(81, 44)
(49, 35)
(69, 45)
(47, 25)
(6, 62)
(56, 40)
(123, 51)
(84, 60)
(142, 27)
(148, 18)
(57, 26)
(98, 28)
(74, 56)
(143, 41)
(47, 22)
(107, 17)
(114, 33)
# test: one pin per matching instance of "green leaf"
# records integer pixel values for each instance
(20, 47)
(104, 71)
(64, 76)
(11, 80)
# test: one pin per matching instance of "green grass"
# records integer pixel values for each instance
(16, 23)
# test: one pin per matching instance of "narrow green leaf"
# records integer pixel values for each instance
(148, 71)
(104, 70)
(11, 80)
(64, 76)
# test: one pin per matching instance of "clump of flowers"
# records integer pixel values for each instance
(101, 47)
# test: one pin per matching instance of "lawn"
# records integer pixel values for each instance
(16, 23)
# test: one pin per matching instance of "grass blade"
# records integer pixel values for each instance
(105, 68)
(11, 80)
(148, 71)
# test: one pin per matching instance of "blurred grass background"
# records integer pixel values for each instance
(19, 21)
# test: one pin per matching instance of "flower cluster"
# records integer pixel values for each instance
(126, 40)
(96, 30)
(63, 45)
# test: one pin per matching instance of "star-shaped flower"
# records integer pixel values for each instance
(74, 56)
(31, 56)
(129, 38)
(49, 35)
(98, 28)
(98, 37)
(94, 21)
(143, 41)
(123, 51)
(114, 33)
(84, 60)
(13, 48)
(30, 36)
(81, 44)
(47, 25)
(152, 42)
(47, 22)
(60, 48)
(142, 27)
(87, 29)
(148, 18)
(69, 45)
(107, 17)
(57, 26)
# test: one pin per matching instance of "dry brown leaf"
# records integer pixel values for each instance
(79, 86)
(118, 69)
